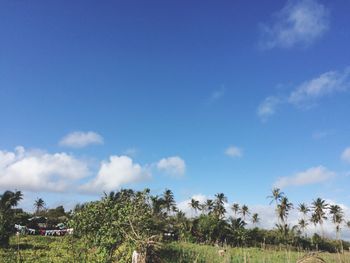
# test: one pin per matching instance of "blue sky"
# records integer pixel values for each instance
(231, 96)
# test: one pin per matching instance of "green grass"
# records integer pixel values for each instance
(46, 249)
(187, 252)
(66, 249)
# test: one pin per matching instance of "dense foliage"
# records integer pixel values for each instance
(117, 224)
(8, 200)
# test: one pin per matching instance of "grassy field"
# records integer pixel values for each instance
(186, 252)
(45, 249)
(65, 249)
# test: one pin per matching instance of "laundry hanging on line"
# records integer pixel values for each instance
(44, 232)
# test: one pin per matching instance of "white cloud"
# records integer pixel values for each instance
(325, 84)
(268, 107)
(308, 93)
(299, 23)
(39, 171)
(80, 139)
(345, 156)
(234, 152)
(174, 166)
(118, 171)
(312, 175)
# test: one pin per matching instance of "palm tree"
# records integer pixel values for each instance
(194, 204)
(314, 221)
(244, 211)
(319, 206)
(304, 209)
(208, 206)
(337, 218)
(283, 209)
(303, 225)
(8, 200)
(39, 204)
(255, 219)
(276, 195)
(219, 205)
(235, 208)
(169, 201)
(157, 205)
(236, 223)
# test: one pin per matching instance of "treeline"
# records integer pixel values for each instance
(126, 221)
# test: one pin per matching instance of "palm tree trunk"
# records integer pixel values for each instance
(322, 230)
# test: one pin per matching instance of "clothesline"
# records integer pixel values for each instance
(44, 232)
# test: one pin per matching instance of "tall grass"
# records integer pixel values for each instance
(40, 249)
(187, 252)
(45, 249)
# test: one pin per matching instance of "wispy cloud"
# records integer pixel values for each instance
(234, 152)
(81, 139)
(318, 135)
(131, 152)
(325, 84)
(298, 23)
(312, 175)
(268, 107)
(216, 95)
(345, 156)
(308, 93)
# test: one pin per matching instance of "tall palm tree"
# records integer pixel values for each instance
(283, 209)
(219, 205)
(194, 204)
(8, 200)
(157, 205)
(39, 204)
(337, 218)
(276, 195)
(319, 206)
(314, 221)
(255, 219)
(244, 211)
(304, 209)
(208, 206)
(235, 208)
(169, 201)
(303, 225)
